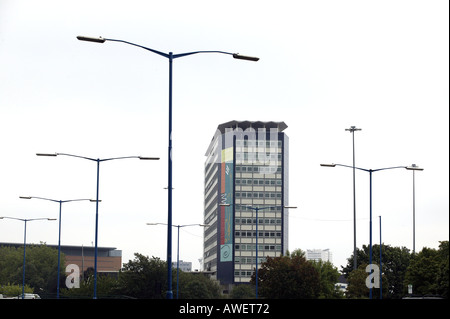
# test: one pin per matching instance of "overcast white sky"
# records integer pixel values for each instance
(382, 66)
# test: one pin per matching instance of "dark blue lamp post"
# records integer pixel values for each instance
(381, 266)
(25, 245)
(178, 243)
(257, 209)
(170, 56)
(59, 232)
(370, 171)
(96, 198)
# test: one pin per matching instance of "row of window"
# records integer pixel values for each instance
(261, 221)
(257, 195)
(244, 208)
(249, 247)
(259, 169)
(249, 260)
(243, 273)
(259, 181)
(260, 143)
(250, 233)
(258, 156)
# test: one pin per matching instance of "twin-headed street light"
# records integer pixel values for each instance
(25, 244)
(178, 242)
(59, 233)
(370, 171)
(98, 160)
(102, 40)
(170, 56)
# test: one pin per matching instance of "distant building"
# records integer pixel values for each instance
(342, 284)
(185, 266)
(109, 259)
(319, 254)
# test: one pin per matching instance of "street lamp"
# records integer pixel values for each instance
(170, 56)
(59, 235)
(381, 266)
(178, 242)
(25, 244)
(352, 130)
(370, 171)
(96, 199)
(414, 168)
(257, 209)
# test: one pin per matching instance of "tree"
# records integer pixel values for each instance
(443, 275)
(357, 288)
(146, 278)
(14, 290)
(143, 278)
(329, 276)
(106, 287)
(287, 277)
(395, 261)
(243, 291)
(428, 271)
(40, 269)
(195, 286)
(356, 283)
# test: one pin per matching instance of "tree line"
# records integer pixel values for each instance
(285, 277)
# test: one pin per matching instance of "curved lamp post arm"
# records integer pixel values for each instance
(364, 169)
(58, 201)
(169, 56)
(98, 160)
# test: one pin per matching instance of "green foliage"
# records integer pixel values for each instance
(329, 276)
(106, 286)
(143, 278)
(243, 291)
(11, 261)
(443, 273)
(356, 283)
(428, 271)
(195, 286)
(395, 261)
(147, 278)
(290, 276)
(40, 268)
(357, 288)
(14, 290)
(287, 277)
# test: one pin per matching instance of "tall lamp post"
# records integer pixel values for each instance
(170, 56)
(381, 266)
(370, 171)
(352, 130)
(178, 242)
(25, 245)
(257, 209)
(59, 232)
(414, 168)
(98, 160)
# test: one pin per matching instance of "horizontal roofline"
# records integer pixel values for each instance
(56, 246)
(244, 125)
(281, 126)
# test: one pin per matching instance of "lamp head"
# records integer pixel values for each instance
(244, 57)
(90, 39)
(328, 165)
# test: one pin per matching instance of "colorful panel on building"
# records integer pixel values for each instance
(226, 212)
